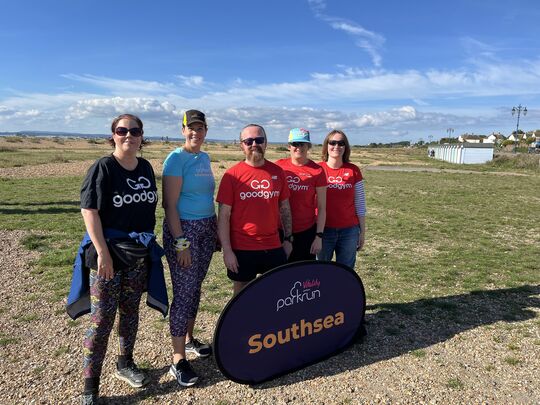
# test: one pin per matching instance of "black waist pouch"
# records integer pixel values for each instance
(124, 253)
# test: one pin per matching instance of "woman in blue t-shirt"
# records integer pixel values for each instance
(189, 238)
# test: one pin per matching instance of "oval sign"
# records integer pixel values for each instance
(290, 317)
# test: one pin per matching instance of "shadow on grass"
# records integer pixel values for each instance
(399, 328)
(34, 204)
(394, 330)
(50, 210)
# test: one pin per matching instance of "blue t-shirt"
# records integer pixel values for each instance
(196, 199)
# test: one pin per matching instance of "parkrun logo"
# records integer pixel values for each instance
(300, 292)
(336, 182)
(295, 331)
(293, 184)
(262, 191)
(144, 195)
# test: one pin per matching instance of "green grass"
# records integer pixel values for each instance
(7, 340)
(455, 383)
(512, 360)
(61, 351)
(419, 353)
(438, 244)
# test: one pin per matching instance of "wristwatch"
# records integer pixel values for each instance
(319, 234)
(289, 238)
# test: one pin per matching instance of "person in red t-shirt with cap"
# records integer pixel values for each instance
(345, 228)
(253, 199)
(307, 185)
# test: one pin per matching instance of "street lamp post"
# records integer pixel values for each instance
(518, 110)
(449, 131)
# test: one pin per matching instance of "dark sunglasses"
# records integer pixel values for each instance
(297, 144)
(123, 131)
(249, 141)
(334, 143)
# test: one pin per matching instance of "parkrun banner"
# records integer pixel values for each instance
(291, 317)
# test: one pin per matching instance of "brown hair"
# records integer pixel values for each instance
(127, 117)
(346, 154)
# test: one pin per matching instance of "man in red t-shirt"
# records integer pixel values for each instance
(253, 199)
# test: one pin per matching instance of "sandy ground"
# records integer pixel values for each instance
(482, 357)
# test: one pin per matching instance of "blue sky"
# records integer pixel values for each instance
(382, 71)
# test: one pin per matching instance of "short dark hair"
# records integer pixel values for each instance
(346, 154)
(126, 117)
(261, 129)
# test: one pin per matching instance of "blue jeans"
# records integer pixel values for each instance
(343, 241)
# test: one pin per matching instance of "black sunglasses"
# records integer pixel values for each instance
(249, 141)
(334, 143)
(297, 144)
(123, 131)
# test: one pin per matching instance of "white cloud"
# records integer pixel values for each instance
(191, 81)
(122, 87)
(10, 113)
(370, 41)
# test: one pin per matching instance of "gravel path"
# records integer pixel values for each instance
(485, 356)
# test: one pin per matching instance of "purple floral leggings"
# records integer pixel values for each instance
(186, 281)
(124, 292)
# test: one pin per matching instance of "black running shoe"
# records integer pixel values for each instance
(184, 373)
(198, 348)
(132, 375)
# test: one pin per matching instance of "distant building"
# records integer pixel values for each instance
(495, 138)
(471, 138)
(465, 153)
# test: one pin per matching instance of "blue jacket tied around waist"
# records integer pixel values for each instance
(78, 302)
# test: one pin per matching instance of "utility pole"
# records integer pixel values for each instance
(517, 111)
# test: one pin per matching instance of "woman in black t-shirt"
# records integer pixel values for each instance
(118, 196)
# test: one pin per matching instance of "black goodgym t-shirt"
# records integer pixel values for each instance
(125, 199)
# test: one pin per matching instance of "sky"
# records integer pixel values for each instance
(386, 71)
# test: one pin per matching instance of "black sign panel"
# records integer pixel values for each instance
(293, 316)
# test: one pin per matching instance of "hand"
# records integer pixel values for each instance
(287, 247)
(105, 266)
(184, 258)
(316, 246)
(361, 240)
(229, 258)
(218, 245)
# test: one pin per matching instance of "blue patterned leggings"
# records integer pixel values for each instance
(124, 292)
(186, 281)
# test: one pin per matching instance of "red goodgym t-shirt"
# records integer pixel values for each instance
(302, 182)
(254, 194)
(340, 211)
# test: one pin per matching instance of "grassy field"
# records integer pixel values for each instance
(429, 234)
(449, 249)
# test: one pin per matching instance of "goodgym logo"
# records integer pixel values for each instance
(337, 182)
(260, 188)
(140, 194)
(293, 181)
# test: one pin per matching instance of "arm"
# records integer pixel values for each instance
(224, 233)
(92, 221)
(286, 221)
(360, 207)
(316, 246)
(172, 187)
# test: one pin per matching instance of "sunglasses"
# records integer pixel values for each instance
(249, 141)
(334, 143)
(297, 144)
(123, 131)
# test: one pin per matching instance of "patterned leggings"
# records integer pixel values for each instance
(124, 292)
(186, 281)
